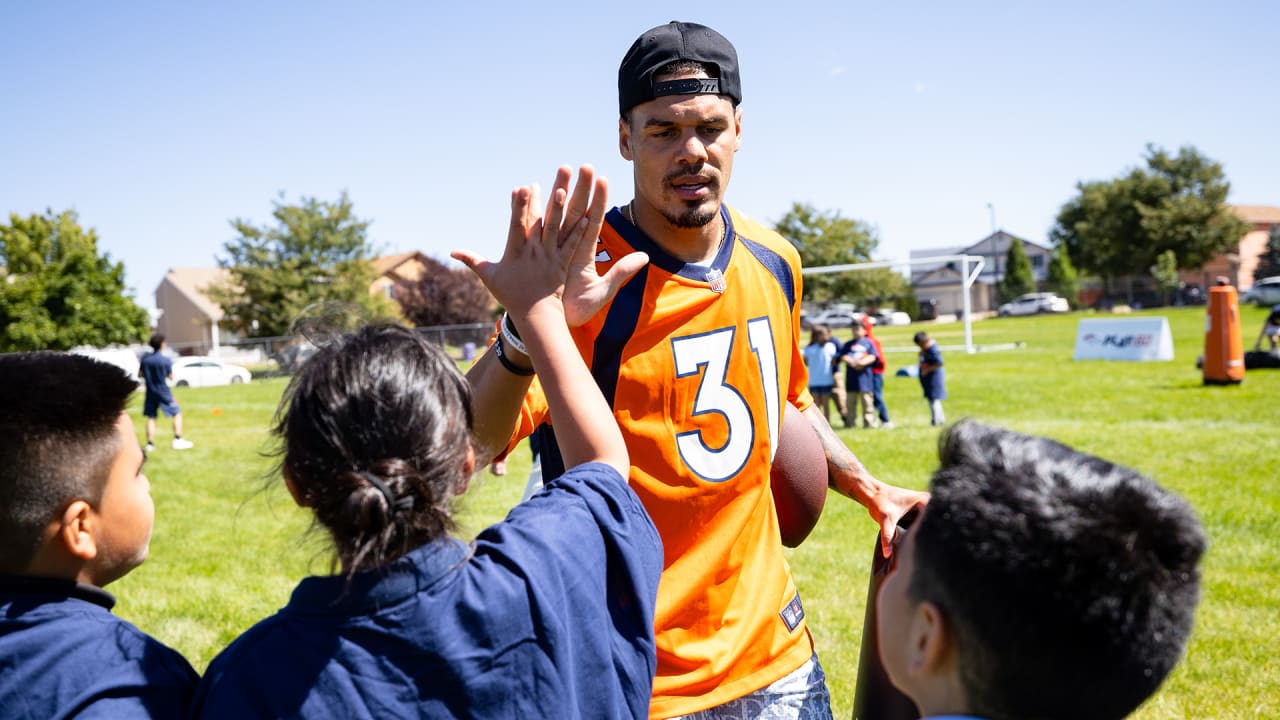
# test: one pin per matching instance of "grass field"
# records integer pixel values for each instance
(226, 552)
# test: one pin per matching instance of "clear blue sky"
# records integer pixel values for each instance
(159, 122)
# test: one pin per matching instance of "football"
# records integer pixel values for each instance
(798, 477)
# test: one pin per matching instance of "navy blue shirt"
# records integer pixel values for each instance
(859, 379)
(548, 614)
(934, 384)
(156, 369)
(63, 654)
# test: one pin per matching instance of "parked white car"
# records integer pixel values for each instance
(1265, 292)
(1034, 303)
(888, 316)
(201, 371)
(833, 319)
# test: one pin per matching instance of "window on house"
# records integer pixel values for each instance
(1037, 261)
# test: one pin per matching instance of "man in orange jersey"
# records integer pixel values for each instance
(696, 347)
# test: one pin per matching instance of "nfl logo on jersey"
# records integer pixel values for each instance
(793, 613)
(716, 278)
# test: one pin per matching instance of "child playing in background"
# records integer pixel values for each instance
(818, 357)
(548, 613)
(75, 515)
(1039, 582)
(932, 377)
(1271, 331)
(859, 356)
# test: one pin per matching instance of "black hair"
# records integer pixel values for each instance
(920, 337)
(58, 439)
(1070, 583)
(156, 341)
(377, 408)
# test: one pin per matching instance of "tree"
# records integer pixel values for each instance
(445, 296)
(317, 252)
(826, 238)
(1119, 227)
(1062, 276)
(1165, 272)
(1269, 261)
(57, 292)
(1018, 278)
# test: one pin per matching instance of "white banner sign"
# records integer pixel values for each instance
(1134, 339)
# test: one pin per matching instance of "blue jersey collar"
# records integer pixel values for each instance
(636, 238)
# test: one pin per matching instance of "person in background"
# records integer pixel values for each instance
(819, 357)
(932, 377)
(157, 370)
(877, 374)
(859, 356)
(1039, 582)
(1271, 331)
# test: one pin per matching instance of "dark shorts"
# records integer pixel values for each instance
(821, 389)
(154, 402)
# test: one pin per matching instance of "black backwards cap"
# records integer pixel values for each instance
(665, 44)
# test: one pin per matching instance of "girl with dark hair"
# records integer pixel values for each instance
(548, 613)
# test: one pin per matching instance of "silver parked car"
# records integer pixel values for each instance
(1034, 303)
(1265, 292)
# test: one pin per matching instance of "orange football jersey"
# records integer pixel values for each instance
(697, 361)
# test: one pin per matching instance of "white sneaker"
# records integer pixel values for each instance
(151, 447)
(182, 444)
(886, 426)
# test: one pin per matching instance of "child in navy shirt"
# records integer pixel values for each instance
(75, 515)
(859, 355)
(932, 377)
(548, 613)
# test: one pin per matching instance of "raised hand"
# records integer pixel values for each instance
(586, 291)
(540, 250)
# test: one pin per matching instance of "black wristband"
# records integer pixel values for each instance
(511, 367)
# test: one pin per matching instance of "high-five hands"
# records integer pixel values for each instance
(553, 256)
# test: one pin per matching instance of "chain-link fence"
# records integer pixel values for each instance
(282, 355)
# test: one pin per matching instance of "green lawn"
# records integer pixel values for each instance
(226, 552)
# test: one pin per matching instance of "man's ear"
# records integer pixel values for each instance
(737, 128)
(624, 138)
(468, 469)
(76, 529)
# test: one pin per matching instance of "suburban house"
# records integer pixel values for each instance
(942, 282)
(189, 319)
(1240, 264)
(395, 270)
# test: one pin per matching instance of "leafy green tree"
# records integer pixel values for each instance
(826, 238)
(1165, 271)
(1269, 261)
(1062, 276)
(1119, 227)
(57, 292)
(317, 252)
(1018, 278)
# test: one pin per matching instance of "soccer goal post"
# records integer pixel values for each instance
(970, 268)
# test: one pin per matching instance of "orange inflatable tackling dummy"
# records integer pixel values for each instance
(1223, 348)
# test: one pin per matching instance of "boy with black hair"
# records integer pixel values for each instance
(1039, 582)
(156, 371)
(75, 515)
(932, 377)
